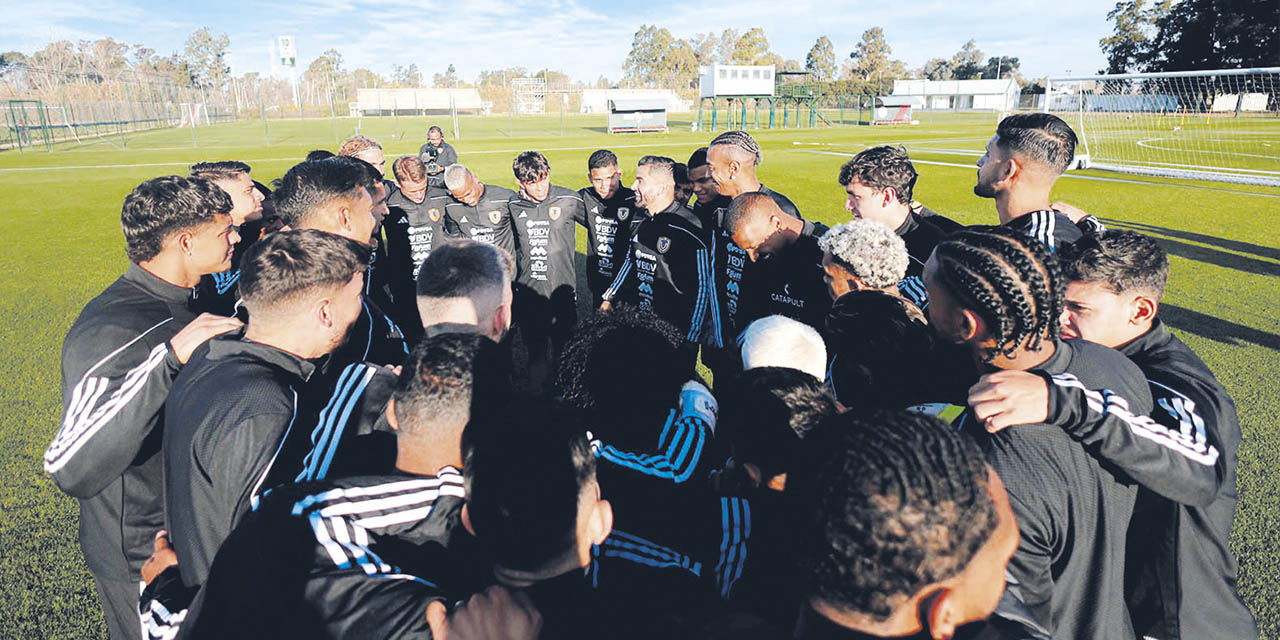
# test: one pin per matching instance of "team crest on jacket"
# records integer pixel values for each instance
(664, 243)
(434, 214)
(555, 213)
(495, 216)
(623, 213)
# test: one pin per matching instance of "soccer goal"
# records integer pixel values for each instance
(193, 114)
(1207, 125)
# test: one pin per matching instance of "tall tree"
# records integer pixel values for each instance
(937, 69)
(446, 80)
(1002, 67)
(750, 47)
(872, 65)
(704, 47)
(821, 61)
(206, 57)
(1128, 47)
(727, 45)
(648, 60)
(968, 62)
(1215, 34)
(406, 76)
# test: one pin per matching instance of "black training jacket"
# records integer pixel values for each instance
(489, 221)
(545, 233)
(668, 270)
(608, 224)
(790, 283)
(424, 224)
(117, 368)
(1073, 510)
(921, 235)
(1053, 228)
(240, 413)
(1182, 574)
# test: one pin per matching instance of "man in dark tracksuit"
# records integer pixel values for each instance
(1181, 573)
(1072, 510)
(216, 292)
(668, 268)
(481, 211)
(879, 182)
(544, 304)
(1022, 161)
(241, 410)
(119, 361)
(609, 214)
(436, 156)
(789, 277)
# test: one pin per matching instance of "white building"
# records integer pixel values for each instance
(731, 80)
(937, 95)
(414, 101)
(597, 100)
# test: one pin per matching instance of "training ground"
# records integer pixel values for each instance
(63, 246)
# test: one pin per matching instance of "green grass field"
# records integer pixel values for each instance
(64, 246)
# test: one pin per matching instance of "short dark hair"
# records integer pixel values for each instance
(530, 166)
(680, 173)
(892, 502)
(698, 158)
(664, 164)
(768, 411)
(285, 265)
(743, 207)
(1011, 281)
(220, 170)
(435, 129)
(524, 469)
(601, 158)
(369, 176)
(409, 168)
(163, 206)
(460, 268)
(881, 349)
(309, 186)
(1124, 260)
(626, 343)
(882, 168)
(1042, 137)
(443, 378)
(318, 154)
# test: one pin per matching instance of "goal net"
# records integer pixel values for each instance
(1208, 125)
(192, 114)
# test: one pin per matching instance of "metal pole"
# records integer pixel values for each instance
(266, 130)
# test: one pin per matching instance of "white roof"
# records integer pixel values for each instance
(1001, 86)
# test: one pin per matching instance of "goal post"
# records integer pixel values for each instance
(1219, 125)
(193, 114)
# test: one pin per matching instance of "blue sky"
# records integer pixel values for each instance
(584, 38)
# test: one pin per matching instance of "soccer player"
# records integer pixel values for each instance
(999, 293)
(858, 256)
(436, 156)
(333, 196)
(684, 185)
(668, 267)
(481, 211)
(315, 155)
(611, 213)
(216, 292)
(733, 157)
(423, 213)
(729, 264)
(465, 286)
(535, 503)
(879, 182)
(788, 279)
(546, 306)
(881, 474)
(118, 363)
(362, 556)
(1182, 571)
(1022, 161)
(708, 204)
(234, 409)
(365, 149)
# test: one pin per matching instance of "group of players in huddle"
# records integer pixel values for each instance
(299, 413)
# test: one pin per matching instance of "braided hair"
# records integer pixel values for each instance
(893, 501)
(1012, 282)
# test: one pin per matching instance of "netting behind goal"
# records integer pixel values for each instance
(1209, 125)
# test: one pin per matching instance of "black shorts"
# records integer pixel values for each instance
(539, 317)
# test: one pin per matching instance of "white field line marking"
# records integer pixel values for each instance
(1068, 175)
(1143, 143)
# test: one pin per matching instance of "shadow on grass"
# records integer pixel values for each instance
(1261, 251)
(1217, 329)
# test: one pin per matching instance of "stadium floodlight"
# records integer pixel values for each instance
(1207, 125)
